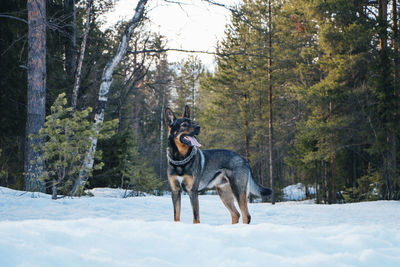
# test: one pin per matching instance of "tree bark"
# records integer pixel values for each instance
(246, 140)
(316, 173)
(36, 101)
(270, 124)
(395, 42)
(383, 23)
(70, 42)
(78, 71)
(396, 88)
(325, 183)
(384, 54)
(163, 107)
(333, 161)
(162, 136)
(103, 93)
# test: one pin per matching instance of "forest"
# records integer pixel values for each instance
(306, 90)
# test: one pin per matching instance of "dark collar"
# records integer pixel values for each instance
(185, 160)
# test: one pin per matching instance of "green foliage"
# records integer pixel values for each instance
(234, 99)
(67, 139)
(13, 80)
(187, 84)
(332, 134)
(368, 189)
(335, 100)
(132, 169)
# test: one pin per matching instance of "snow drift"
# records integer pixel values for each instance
(104, 231)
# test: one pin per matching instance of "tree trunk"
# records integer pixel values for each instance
(54, 190)
(36, 100)
(162, 138)
(332, 199)
(103, 93)
(70, 42)
(384, 54)
(78, 71)
(396, 88)
(270, 125)
(261, 146)
(383, 23)
(395, 42)
(136, 112)
(317, 183)
(325, 182)
(246, 140)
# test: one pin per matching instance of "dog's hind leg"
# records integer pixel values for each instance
(225, 193)
(238, 181)
(243, 208)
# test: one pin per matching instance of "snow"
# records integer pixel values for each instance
(296, 192)
(114, 231)
(113, 192)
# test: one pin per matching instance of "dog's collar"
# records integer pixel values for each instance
(185, 160)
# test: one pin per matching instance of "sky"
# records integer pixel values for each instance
(193, 25)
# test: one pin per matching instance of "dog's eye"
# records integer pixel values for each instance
(185, 124)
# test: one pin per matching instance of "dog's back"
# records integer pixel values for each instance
(236, 169)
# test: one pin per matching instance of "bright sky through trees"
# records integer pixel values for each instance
(192, 25)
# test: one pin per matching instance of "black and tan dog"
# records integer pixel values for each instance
(193, 170)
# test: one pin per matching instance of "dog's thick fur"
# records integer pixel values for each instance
(199, 169)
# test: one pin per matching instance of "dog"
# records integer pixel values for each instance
(192, 169)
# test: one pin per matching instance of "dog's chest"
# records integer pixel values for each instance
(178, 170)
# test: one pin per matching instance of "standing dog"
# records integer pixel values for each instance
(199, 169)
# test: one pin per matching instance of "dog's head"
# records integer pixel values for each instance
(182, 131)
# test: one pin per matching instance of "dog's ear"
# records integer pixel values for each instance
(186, 114)
(169, 116)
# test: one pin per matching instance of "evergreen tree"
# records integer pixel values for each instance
(67, 138)
(237, 117)
(13, 77)
(187, 84)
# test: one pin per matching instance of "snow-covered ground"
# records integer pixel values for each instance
(107, 231)
(296, 192)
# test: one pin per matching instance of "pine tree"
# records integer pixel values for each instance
(330, 134)
(67, 138)
(187, 84)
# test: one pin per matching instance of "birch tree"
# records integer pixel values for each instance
(104, 90)
(78, 71)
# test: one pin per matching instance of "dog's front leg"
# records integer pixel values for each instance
(188, 182)
(176, 201)
(176, 197)
(194, 200)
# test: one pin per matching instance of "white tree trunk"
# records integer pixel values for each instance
(103, 93)
(81, 56)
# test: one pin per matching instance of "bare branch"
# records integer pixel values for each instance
(13, 43)
(12, 17)
(240, 53)
(239, 13)
(81, 56)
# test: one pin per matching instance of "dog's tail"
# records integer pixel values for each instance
(258, 190)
